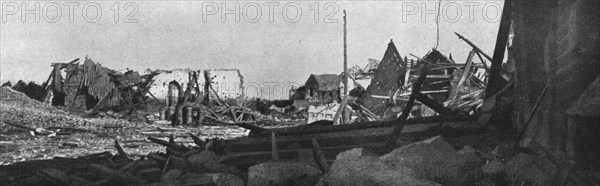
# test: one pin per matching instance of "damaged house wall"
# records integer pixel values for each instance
(556, 44)
(82, 86)
(178, 77)
(388, 78)
(228, 83)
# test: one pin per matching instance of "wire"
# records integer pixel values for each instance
(437, 24)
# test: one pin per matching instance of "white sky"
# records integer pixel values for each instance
(172, 34)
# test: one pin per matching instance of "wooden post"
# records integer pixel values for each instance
(342, 108)
(170, 113)
(344, 113)
(495, 81)
(207, 83)
(188, 115)
(391, 142)
(161, 113)
(178, 116)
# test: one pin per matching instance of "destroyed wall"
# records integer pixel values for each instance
(556, 44)
(388, 78)
(437, 80)
(160, 87)
(228, 83)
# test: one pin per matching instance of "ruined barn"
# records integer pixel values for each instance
(91, 86)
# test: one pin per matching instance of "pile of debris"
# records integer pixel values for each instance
(381, 90)
(90, 87)
(203, 165)
(18, 109)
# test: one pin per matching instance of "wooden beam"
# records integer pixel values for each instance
(496, 82)
(487, 69)
(463, 77)
(474, 46)
(120, 150)
(537, 104)
(319, 156)
(197, 140)
(391, 142)
(167, 144)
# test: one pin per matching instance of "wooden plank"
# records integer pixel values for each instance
(439, 76)
(333, 139)
(309, 129)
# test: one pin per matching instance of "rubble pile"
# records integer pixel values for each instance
(202, 164)
(17, 108)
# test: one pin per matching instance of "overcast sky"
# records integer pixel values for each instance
(280, 45)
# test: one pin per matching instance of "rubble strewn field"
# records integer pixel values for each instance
(73, 136)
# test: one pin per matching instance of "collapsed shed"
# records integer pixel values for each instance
(91, 86)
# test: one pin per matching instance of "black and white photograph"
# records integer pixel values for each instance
(300, 92)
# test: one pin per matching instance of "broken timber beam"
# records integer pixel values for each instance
(121, 151)
(474, 46)
(463, 77)
(535, 108)
(487, 69)
(431, 103)
(496, 81)
(391, 142)
(167, 144)
(319, 156)
(197, 140)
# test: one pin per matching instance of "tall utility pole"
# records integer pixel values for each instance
(344, 114)
(342, 108)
